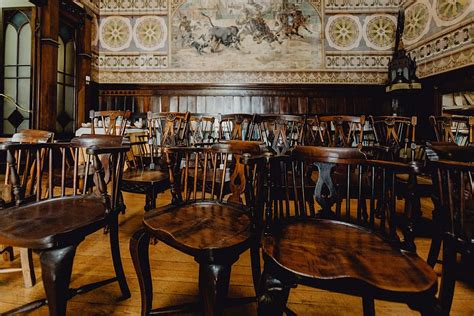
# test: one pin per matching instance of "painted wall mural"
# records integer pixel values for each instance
(279, 41)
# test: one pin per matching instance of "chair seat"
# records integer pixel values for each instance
(200, 227)
(323, 249)
(51, 223)
(421, 179)
(145, 176)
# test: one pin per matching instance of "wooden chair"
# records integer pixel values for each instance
(396, 135)
(339, 251)
(341, 130)
(204, 222)
(278, 132)
(113, 122)
(455, 129)
(60, 218)
(453, 216)
(311, 133)
(235, 126)
(26, 174)
(146, 173)
(201, 129)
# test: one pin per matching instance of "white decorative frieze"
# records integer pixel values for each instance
(357, 62)
(142, 62)
(133, 6)
(244, 77)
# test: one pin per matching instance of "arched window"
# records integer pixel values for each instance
(17, 71)
(66, 80)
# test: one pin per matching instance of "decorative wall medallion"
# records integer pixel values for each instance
(115, 33)
(379, 31)
(417, 21)
(449, 12)
(343, 31)
(150, 32)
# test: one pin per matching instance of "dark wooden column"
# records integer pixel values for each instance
(83, 71)
(47, 64)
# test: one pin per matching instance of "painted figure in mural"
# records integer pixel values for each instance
(252, 22)
(225, 35)
(291, 19)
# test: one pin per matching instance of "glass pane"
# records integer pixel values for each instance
(61, 55)
(70, 100)
(70, 80)
(11, 42)
(9, 87)
(19, 19)
(24, 93)
(70, 58)
(24, 71)
(8, 128)
(24, 54)
(60, 98)
(60, 78)
(24, 125)
(10, 71)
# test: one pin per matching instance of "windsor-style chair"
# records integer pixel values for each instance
(235, 126)
(278, 132)
(204, 221)
(453, 216)
(201, 129)
(113, 122)
(146, 173)
(29, 136)
(60, 218)
(453, 129)
(341, 130)
(340, 251)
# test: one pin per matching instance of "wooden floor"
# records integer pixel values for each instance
(175, 280)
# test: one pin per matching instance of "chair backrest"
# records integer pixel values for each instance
(455, 129)
(168, 128)
(311, 133)
(104, 155)
(331, 178)
(235, 126)
(221, 172)
(201, 128)
(113, 122)
(341, 130)
(26, 171)
(453, 182)
(279, 132)
(395, 132)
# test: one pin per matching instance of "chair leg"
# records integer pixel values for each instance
(213, 287)
(368, 305)
(56, 268)
(272, 295)
(255, 262)
(435, 248)
(27, 267)
(114, 246)
(139, 249)
(448, 275)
